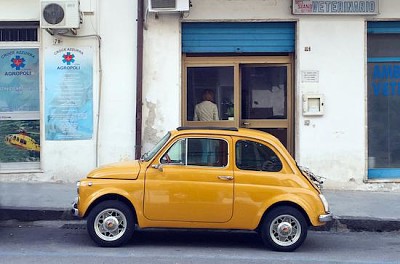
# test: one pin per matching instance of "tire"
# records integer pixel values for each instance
(111, 223)
(284, 229)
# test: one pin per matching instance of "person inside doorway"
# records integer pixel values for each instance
(207, 110)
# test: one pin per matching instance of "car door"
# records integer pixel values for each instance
(191, 181)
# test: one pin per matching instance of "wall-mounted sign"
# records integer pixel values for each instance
(310, 76)
(335, 7)
(68, 93)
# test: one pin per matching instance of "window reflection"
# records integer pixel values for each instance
(383, 101)
(264, 92)
(198, 152)
(254, 156)
(210, 93)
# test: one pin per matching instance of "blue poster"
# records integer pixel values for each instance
(19, 80)
(68, 93)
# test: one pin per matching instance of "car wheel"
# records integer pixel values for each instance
(111, 223)
(284, 229)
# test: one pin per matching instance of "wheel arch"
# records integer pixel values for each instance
(114, 197)
(280, 204)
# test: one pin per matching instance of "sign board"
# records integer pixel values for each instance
(335, 7)
(68, 93)
(310, 76)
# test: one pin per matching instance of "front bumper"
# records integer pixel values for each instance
(74, 210)
(326, 217)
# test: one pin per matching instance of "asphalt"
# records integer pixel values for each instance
(353, 210)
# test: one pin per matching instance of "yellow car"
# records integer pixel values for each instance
(212, 178)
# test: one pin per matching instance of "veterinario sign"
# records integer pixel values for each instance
(337, 7)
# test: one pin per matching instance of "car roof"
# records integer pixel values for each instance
(227, 131)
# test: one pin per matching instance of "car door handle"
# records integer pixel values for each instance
(225, 178)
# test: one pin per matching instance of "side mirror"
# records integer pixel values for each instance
(158, 167)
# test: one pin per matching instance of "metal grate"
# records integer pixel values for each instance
(19, 31)
(163, 3)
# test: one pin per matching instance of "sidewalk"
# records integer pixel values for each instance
(353, 210)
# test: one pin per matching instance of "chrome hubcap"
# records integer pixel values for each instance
(110, 224)
(285, 230)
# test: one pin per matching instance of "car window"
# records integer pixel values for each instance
(252, 155)
(176, 154)
(198, 152)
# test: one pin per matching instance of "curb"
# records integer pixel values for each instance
(339, 223)
(368, 224)
(35, 214)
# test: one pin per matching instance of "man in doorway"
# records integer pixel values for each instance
(207, 110)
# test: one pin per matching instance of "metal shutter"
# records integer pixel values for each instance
(238, 37)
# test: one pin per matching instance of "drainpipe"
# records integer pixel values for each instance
(139, 80)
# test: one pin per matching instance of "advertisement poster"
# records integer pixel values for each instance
(19, 80)
(20, 141)
(68, 93)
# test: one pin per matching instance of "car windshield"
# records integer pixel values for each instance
(149, 155)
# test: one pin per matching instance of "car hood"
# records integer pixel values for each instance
(127, 170)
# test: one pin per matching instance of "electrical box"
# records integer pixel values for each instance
(313, 104)
(168, 5)
(60, 14)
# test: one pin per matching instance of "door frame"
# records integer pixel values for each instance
(236, 62)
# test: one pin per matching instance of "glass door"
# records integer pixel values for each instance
(252, 92)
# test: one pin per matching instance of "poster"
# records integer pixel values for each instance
(20, 141)
(19, 80)
(19, 105)
(68, 93)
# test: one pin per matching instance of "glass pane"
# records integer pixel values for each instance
(279, 133)
(264, 92)
(256, 156)
(19, 107)
(207, 152)
(209, 93)
(383, 45)
(176, 154)
(383, 115)
(19, 80)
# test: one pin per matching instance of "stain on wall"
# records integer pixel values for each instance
(152, 131)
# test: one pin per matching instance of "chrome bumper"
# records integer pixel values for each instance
(74, 210)
(326, 217)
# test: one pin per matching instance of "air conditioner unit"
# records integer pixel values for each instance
(59, 14)
(168, 5)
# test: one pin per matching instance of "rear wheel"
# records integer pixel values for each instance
(111, 223)
(284, 229)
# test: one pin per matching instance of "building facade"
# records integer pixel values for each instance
(67, 98)
(322, 76)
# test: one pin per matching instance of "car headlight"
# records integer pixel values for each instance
(324, 202)
(78, 184)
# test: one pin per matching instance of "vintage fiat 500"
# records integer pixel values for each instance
(208, 178)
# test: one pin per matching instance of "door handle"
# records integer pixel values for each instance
(246, 123)
(225, 178)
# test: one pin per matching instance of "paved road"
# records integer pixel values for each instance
(68, 242)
